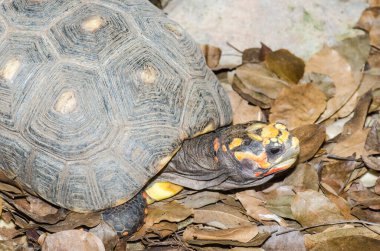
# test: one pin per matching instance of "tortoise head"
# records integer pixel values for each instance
(255, 150)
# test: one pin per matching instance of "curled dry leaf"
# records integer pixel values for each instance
(298, 105)
(329, 62)
(173, 212)
(212, 55)
(353, 138)
(257, 84)
(72, 240)
(242, 111)
(311, 138)
(220, 216)
(74, 220)
(240, 234)
(358, 238)
(286, 65)
(312, 208)
(256, 208)
(368, 18)
(336, 175)
(303, 177)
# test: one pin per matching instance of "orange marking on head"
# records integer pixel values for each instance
(235, 143)
(216, 144)
(224, 148)
(261, 160)
(125, 233)
(277, 169)
(257, 174)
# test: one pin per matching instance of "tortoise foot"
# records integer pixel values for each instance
(128, 217)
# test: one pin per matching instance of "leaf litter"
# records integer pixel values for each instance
(329, 200)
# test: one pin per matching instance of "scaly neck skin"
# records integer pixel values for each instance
(205, 163)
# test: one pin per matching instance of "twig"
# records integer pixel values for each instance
(351, 158)
(364, 223)
(233, 47)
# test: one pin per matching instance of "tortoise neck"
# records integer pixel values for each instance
(196, 165)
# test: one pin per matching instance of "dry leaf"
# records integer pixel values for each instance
(335, 175)
(311, 208)
(72, 240)
(311, 138)
(256, 208)
(212, 55)
(106, 234)
(286, 65)
(172, 212)
(322, 81)
(220, 216)
(242, 111)
(340, 239)
(303, 177)
(367, 18)
(201, 199)
(258, 85)
(74, 220)
(329, 62)
(240, 234)
(289, 241)
(365, 198)
(251, 55)
(297, 106)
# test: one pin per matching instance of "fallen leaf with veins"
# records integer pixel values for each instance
(298, 105)
(256, 208)
(241, 234)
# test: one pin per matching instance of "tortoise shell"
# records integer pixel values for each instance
(97, 96)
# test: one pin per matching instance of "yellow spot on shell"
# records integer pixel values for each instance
(255, 137)
(269, 131)
(148, 75)
(66, 103)
(163, 190)
(235, 143)
(284, 137)
(224, 148)
(10, 69)
(93, 23)
(295, 142)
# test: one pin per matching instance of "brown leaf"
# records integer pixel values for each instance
(242, 111)
(251, 55)
(74, 220)
(374, 3)
(311, 138)
(289, 241)
(172, 212)
(303, 177)
(24, 206)
(335, 175)
(106, 234)
(286, 65)
(322, 81)
(329, 62)
(241, 234)
(256, 207)
(366, 214)
(220, 216)
(72, 240)
(212, 55)
(365, 198)
(311, 208)
(201, 199)
(368, 18)
(374, 34)
(257, 78)
(299, 105)
(344, 239)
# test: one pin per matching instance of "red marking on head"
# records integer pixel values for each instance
(257, 174)
(277, 169)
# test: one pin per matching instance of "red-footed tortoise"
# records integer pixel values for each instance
(96, 97)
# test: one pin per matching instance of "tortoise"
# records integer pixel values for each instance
(100, 100)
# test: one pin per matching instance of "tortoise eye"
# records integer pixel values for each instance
(273, 150)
